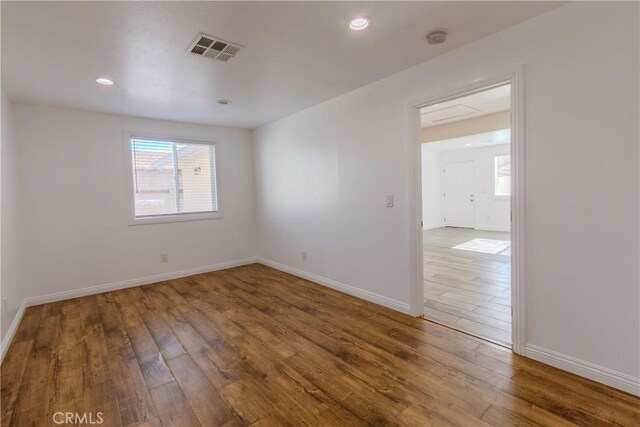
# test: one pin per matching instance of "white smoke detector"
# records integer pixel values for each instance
(436, 37)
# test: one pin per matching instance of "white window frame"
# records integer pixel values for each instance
(499, 196)
(177, 217)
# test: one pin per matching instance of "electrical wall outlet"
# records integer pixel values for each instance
(164, 258)
(304, 255)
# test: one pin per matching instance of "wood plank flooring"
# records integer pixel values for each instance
(255, 346)
(468, 291)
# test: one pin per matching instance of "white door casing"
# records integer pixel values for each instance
(518, 235)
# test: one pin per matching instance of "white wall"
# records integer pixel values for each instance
(11, 285)
(75, 202)
(323, 173)
(431, 189)
(491, 213)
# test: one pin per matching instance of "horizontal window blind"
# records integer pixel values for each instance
(502, 175)
(173, 178)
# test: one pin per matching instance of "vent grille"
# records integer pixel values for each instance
(231, 50)
(205, 41)
(213, 47)
(199, 50)
(212, 53)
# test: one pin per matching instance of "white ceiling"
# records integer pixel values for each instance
(486, 139)
(467, 107)
(297, 54)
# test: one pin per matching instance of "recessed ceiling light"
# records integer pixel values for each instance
(104, 81)
(468, 144)
(358, 23)
(224, 101)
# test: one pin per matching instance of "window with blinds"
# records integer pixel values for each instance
(502, 175)
(173, 178)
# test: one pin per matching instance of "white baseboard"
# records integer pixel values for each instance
(426, 227)
(347, 289)
(492, 228)
(92, 290)
(589, 370)
(11, 332)
(98, 289)
(585, 369)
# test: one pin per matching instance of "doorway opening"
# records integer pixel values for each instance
(465, 154)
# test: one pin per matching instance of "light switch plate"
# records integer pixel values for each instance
(390, 201)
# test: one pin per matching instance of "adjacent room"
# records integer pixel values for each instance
(266, 213)
(466, 213)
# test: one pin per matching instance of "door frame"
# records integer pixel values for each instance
(518, 294)
(443, 200)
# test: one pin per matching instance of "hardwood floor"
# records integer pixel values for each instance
(255, 346)
(468, 291)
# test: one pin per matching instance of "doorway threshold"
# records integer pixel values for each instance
(496, 342)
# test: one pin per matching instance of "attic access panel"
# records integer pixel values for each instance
(448, 114)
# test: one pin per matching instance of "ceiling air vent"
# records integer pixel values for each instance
(213, 47)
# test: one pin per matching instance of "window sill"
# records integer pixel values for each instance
(161, 219)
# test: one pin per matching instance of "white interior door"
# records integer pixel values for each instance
(458, 185)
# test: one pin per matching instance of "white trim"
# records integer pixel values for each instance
(11, 332)
(518, 257)
(492, 228)
(98, 289)
(92, 290)
(347, 289)
(585, 369)
(518, 295)
(414, 152)
(432, 226)
(160, 219)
